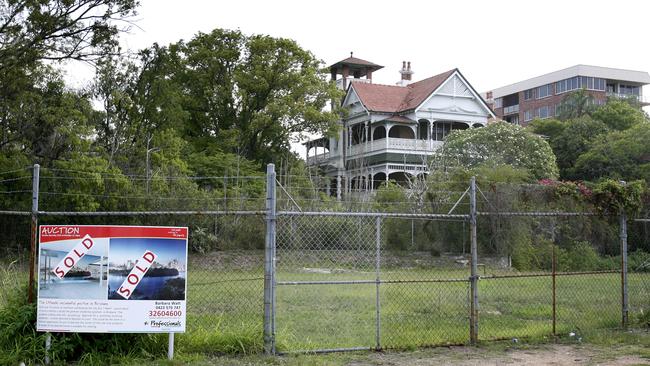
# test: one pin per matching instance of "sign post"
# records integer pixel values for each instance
(112, 279)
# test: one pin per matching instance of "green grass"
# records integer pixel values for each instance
(225, 307)
(312, 317)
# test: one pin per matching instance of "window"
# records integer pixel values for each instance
(528, 115)
(586, 82)
(498, 103)
(440, 130)
(542, 112)
(528, 94)
(628, 90)
(543, 91)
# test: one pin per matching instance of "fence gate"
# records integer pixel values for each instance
(327, 289)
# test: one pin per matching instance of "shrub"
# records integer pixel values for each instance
(638, 261)
(643, 318)
(528, 256)
(582, 256)
(20, 342)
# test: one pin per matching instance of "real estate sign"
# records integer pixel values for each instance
(99, 279)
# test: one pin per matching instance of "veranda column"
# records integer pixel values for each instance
(387, 128)
(415, 140)
(338, 186)
(367, 133)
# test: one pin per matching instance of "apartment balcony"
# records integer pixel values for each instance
(339, 82)
(394, 143)
(640, 98)
(511, 109)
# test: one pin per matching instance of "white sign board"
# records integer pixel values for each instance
(112, 279)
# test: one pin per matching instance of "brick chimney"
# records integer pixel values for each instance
(406, 73)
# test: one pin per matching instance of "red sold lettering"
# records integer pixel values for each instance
(143, 270)
(59, 272)
(75, 254)
(136, 274)
(124, 291)
(68, 262)
(149, 256)
(88, 243)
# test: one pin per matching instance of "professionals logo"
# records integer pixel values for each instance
(159, 324)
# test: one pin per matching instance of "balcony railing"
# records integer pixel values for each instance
(640, 98)
(394, 143)
(317, 159)
(511, 109)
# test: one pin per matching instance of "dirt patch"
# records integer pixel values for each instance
(549, 355)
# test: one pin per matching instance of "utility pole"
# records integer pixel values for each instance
(147, 167)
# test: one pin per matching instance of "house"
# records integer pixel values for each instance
(390, 130)
(540, 97)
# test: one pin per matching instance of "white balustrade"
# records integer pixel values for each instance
(393, 143)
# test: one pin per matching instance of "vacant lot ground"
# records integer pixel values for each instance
(603, 348)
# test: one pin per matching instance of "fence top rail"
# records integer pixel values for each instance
(21, 213)
(373, 214)
(642, 220)
(148, 213)
(533, 213)
(548, 274)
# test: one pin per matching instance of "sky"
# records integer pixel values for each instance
(493, 43)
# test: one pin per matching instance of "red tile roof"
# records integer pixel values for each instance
(356, 61)
(388, 98)
(380, 98)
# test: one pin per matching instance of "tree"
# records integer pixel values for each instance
(247, 95)
(35, 30)
(576, 104)
(37, 111)
(619, 114)
(618, 155)
(43, 118)
(549, 128)
(501, 143)
(575, 139)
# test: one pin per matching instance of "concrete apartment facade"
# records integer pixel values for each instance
(540, 97)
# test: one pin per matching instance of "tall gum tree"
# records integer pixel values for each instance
(248, 95)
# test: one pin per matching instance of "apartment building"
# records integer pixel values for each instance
(540, 97)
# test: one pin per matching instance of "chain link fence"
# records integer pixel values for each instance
(298, 271)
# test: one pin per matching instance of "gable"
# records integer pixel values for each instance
(456, 96)
(455, 87)
(353, 103)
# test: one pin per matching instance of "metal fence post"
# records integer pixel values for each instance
(554, 286)
(473, 321)
(34, 227)
(378, 280)
(269, 263)
(624, 293)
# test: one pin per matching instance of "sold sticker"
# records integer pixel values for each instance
(136, 274)
(74, 256)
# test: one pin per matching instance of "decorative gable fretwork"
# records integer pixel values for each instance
(455, 87)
